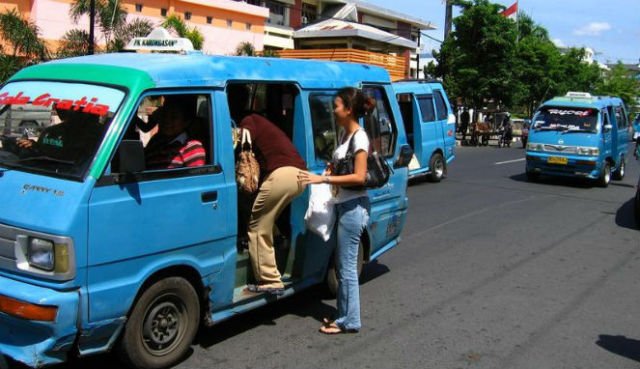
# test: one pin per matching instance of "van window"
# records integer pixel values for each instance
(441, 106)
(54, 128)
(621, 117)
(324, 125)
(426, 108)
(552, 118)
(379, 124)
(175, 130)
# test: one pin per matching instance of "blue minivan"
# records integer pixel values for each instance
(99, 252)
(430, 126)
(579, 135)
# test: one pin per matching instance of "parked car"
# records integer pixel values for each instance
(430, 126)
(579, 135)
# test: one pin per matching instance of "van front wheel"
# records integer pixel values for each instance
(162, 325)
(605, 176)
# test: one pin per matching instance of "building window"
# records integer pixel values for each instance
(209, 20)
(255, 2)
(138, 8)
(278, 13)
(309, 13)
(229, 23)
(163, 12)
(248, 26)
(187, 15)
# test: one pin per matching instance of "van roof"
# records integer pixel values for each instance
(175, 70)
(596, 102)
(416, 86)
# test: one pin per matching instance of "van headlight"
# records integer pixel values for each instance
(589, 151)
(40, 254)
(534, 147)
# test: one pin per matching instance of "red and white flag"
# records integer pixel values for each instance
(512, 11)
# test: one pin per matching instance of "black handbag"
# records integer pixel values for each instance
(378, 171)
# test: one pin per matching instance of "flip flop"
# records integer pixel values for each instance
(329, 327)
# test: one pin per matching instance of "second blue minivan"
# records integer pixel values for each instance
(579, 135)
(430, 126)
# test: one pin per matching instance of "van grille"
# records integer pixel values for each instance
(561, 148)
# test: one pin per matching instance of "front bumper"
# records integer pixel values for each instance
(575, 166)
(37, 343)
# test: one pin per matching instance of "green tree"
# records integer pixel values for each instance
(619, 81)
(23, 41)
(136, 28)
(245, 49)
(476, 60)
(75, 42)
(175, 23)
(110, 16)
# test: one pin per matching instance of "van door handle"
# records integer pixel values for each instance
(210, 196)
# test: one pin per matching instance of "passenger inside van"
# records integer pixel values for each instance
(172, 146)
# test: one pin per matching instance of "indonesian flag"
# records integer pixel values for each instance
(512, 11)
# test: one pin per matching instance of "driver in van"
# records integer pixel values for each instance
(74, 137)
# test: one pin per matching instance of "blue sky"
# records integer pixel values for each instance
(610, 27)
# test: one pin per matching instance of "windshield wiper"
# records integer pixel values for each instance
(46, 158)
(578, 131)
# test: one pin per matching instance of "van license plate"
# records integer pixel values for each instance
(557, 160)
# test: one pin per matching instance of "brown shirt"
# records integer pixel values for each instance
(271, 145)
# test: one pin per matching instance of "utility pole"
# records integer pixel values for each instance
(447, 18)
(92, 21)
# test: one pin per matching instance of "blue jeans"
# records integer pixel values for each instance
(352, 217)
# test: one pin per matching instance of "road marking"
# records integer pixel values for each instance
(510, 161)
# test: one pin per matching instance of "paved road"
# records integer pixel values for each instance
(493, 272)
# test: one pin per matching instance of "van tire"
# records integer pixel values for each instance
(332, 271)
(605, 176)
(619, 173)
(162, 325)
(437, 168)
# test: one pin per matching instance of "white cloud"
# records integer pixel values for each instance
(592, 29)
(558, 42)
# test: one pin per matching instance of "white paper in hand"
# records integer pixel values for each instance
(320, 215)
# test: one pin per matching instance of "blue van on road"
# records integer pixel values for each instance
(99, 251)
(579, 135)
(430, 126)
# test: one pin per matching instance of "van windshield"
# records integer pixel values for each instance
(54, 128)
(567, 119)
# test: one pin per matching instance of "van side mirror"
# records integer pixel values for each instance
(607, 127)
(131, 155)
(406, 153)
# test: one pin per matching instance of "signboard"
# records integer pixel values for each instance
(160, 40)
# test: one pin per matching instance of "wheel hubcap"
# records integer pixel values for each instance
(439, 168)
(162, 327)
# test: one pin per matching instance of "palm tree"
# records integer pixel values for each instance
(75, 42)
(175, 23)
(22, 37)
(245, 49)
(136, 28)
(110, 16)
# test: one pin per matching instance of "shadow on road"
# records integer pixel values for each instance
(555, 181)
(625, 217)
(307, 304)
(620, 345)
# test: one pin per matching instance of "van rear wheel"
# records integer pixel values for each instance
(437, 167)
(162, 325)
(332, 272)
(619, 173)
